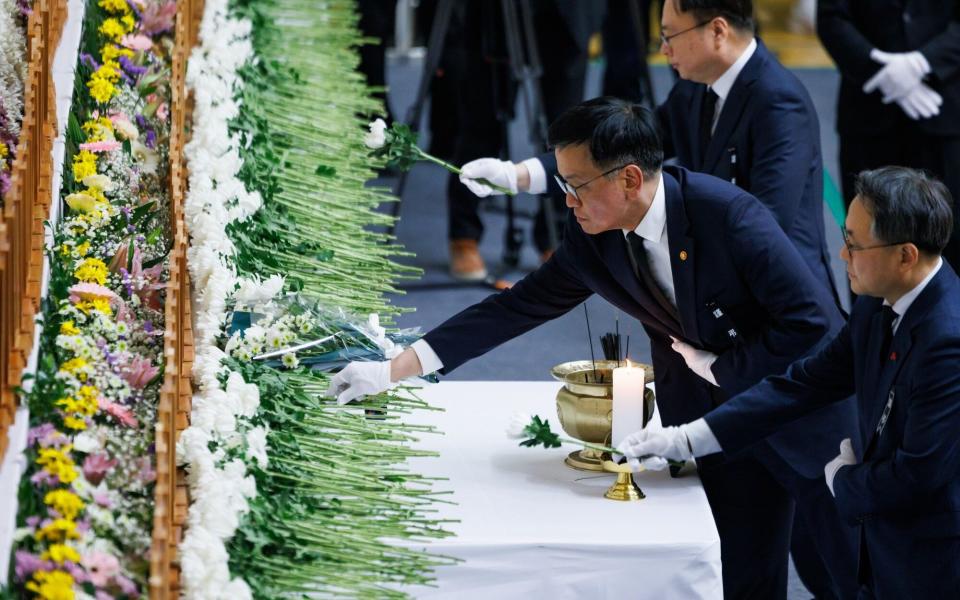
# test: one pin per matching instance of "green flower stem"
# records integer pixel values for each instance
(457, 171)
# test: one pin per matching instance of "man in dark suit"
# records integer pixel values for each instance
(736, 113)
(899, 102)
(696, 259)
(899, 354)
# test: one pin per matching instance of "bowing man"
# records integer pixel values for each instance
(900, 355)
(694, 258)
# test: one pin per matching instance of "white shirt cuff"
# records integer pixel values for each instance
(925, 64)
(429, 361)
(701, 439)
(709, 374)
(538, 177)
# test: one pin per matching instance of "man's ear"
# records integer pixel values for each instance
(633, 177)
(909, 256)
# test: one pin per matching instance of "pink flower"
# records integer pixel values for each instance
(147, 474)
(27, 564)
(117, 411)
(157, 17)
(91, 291)
(162, 111)
(103, 499)
(137, 42)
(101, 567)
(46, 435)
(139, 372)
(96, 466)
(104, 146)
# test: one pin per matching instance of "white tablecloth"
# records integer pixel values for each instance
(531, 527)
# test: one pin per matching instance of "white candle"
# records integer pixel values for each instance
(628, 385)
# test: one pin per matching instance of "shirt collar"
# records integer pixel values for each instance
(722, 85)
(902, 305)
(652, 225)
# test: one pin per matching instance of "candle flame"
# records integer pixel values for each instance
(629, 364)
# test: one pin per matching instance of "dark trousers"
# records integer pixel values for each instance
(479, 70)
(907, 147)
(754, 499)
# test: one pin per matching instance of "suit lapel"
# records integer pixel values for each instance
(732, 110)
(695, 131)
(682, 257)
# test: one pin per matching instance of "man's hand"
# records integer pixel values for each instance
(360, 379)
(498, 172)
(899, 75)
(651, 447)
(699, 361)
(845, 458)
(921, 103)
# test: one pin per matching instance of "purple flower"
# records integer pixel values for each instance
(148, 327)
(151, 139)
(89, 61)
(131, 68)
(126, 586)
(27, 564)
(33, 521)
(44, 478)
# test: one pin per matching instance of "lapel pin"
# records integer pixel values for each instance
(893, 356)
(683, 255)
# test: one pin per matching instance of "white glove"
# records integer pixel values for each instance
(496, 171)
(921, 103)
(360, 379)
(699, 361)
(660, 442)
(846, 457)
(901, 73)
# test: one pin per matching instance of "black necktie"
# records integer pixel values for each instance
(887, 317)
(641, 266)
(706, 119)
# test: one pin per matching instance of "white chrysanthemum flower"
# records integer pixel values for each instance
(290, 360)
(376, 138)
(518, 423)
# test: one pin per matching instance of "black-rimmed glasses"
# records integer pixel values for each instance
(665, 39)
(572, 189)
(851, 248)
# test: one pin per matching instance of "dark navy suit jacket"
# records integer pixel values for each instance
(905, 492)
(767, 141)
(737, 260)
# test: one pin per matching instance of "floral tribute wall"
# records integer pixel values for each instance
(13, 72)
(85, 502)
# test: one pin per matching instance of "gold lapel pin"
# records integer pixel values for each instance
(683, 255)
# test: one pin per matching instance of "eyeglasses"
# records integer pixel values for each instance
(851, 248)
(665, 39)
(572, 189)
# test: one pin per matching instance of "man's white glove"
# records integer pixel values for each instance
(651, 446)
(699, 361)
(900, 74)
(496, 171)
(846, 457)
(360, 379)
(921, 103)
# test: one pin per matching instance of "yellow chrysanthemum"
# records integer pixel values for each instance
(128, 22)
(74, 423)
(58, 531)
(112, 29)
(102, 91)
(97, 304)
(68, 328)
(52, 585)
(95, 193)
(82, 404)
(64, 502)
(4, 151)
(84, 164)
(83, 248)
(98, 129)
(114, 6)
(74, 364)
(109, 70)
(60, 553)
(111, 52)
(92, 270)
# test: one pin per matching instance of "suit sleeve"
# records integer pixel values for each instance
(547, 293)
(927, 458)
(943, 51)
(776, 276)
(549, 162)
(784, 152)
(809, 384)
(844, 42)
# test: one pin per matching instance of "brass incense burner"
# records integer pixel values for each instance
(585, 406)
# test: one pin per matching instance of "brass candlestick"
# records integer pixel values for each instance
(625, 488)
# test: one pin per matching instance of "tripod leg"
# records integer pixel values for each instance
(640, 14)
(438, 35)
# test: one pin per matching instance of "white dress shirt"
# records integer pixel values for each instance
(722, 86)
(901, 306)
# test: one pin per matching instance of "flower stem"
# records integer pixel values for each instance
(456, 170)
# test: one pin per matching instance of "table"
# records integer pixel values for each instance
(531, 527)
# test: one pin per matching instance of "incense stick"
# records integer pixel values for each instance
(590, 341)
